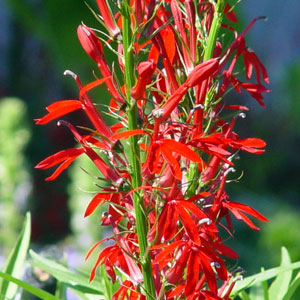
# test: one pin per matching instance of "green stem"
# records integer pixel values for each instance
(135, 165)
(215, 26)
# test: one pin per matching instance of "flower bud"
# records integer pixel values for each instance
(90, 43)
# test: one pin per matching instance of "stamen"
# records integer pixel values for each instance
(240, 277)
(229, 170)
(63, 123)
(216, 265)
(205, 220)
(197, 107)
(70, 73)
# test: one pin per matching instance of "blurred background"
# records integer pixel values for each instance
(38, 41)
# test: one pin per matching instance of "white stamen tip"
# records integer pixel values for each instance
(70, 73)
(240, 277)
(205, 220)
(229, 170)
(242, 115)
(216, 265)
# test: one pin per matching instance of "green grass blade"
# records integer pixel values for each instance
(84, 296)
(244, 296)
(280, 285)
(107, 283)
(16, 259)
(257, 292)
(292, 288)
(61, 290)
(266, 290)
(263, 276)
(29, 288)
(75, 281)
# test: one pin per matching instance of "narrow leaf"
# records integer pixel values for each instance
(29, 288)
(292, 288)
(16, 260)
(62, 274)
(280, 285)
(262, 276)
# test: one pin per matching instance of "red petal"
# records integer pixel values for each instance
(192, 208)
(181, 149)
(189, 225)
(236, 107)
(58, 109)
(166, 252)
(94, 247)
(92, 85)
(173, 163)
(247, 209)
(252, 142)
(100, 197)
(107, 172)
(208, 272)
(193, 270)
(177, 271)
(230, 15)
(61, 168)
(128, 133)
(59, 157)
(225, 250)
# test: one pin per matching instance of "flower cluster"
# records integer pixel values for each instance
(167, 158)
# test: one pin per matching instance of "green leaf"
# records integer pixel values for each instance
(263, 276)
(266, 290)
(75, 281)
(60, 291)
(84, 296)
(292, 288)
(15, 262)
(244, 296)
(107, 283)
(257, 292)
(280, 285)
(31, 289)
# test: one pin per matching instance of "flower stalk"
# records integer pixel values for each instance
(165, 197)
(135, 158)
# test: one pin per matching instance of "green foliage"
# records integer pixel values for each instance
(282, 287)
(76, 281)
(14, 176)
(281, 230)
(15, 262)
(31, 289)
(81, 190)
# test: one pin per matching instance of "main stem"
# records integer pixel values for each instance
(135, 164)
(214, 29)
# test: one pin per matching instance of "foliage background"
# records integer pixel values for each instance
(38, 42)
